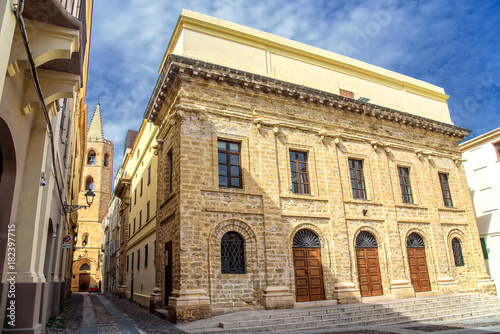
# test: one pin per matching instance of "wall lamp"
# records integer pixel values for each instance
(363, 99)
(89, 197)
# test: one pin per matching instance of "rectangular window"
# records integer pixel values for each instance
(146, 256)
(147, 211)
(134, 226)
(132, 264)
(141, 186)
(404, 182)
(299, 172)
(129, 230)
(135, 196)
(149, 175)
(485, 250)
(127, 263)
(445, 190)
(229, 164)
(138, 258)
(140, 219)
(346, 93)
(497, 149)
(169, 171)
(357, 179)
(154, 254)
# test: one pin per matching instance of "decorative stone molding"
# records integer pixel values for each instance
(277, 297)
(177, 66)
(188, 305)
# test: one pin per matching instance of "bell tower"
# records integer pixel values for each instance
(97, 175)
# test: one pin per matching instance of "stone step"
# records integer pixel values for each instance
(374, 316)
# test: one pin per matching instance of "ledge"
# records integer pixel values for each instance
(362, 202)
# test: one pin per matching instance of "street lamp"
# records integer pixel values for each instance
(89, 197)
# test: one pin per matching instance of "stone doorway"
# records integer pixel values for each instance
(307, 267)
(418, 263)
(370, 282)
(84, 282)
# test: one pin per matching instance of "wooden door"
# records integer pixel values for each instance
(418, 269)
(308, 274)
(84, 282)
(168, 271)
(370, 283)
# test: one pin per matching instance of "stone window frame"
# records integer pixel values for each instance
(496, 147)
(234, 270)
(461, 237)
(413, 182)
(244, 161)
(450, 189)
(357, 191)
(228, 153)
(94, 160)
(300, 185)
(311, 166)
(367, 174)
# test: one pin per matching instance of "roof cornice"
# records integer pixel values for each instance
(479, 140)
(176, 65)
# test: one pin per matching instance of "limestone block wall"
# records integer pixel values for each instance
(197, 212)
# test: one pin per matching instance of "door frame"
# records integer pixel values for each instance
(367, 239)
(417, 244)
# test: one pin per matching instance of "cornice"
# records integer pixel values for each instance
(487, 137)
(177, 65)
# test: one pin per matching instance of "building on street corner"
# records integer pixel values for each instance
(43, 124)
(288, 174)
(482, 167)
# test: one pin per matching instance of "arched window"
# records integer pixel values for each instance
(366, 239)
(415, 241)
(85, 267)
(457, 252)
(91, 158)
(232, 253)
(85, 240)
(89, 183)
(106, 160)
(306, 239)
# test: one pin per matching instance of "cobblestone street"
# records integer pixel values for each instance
(105, 313)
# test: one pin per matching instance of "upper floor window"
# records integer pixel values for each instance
(457, 252)
(497, 149)
(146, 256)
(138, 258)
(445, 190)
(169, 171)
(85, 240)
(141, 186)
(149, 174)
(91, 158)
(232, 253)
(404, 182)
(132, 264)
(140, 219)
(357, 179)
(147, 210)
(106, 160)
(89, 183)
(229, 164)
(127, 262)
(299, 172)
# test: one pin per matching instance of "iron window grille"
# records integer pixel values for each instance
(457, 252)
(229, 156)
(306, 239)
(415, 241)
(357, 179)
(232, 254)
(404, 182)
(366, 240)
(299, 172)
(445, 189)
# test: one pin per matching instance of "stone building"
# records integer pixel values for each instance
(289, 174)
(111, 246)
(43, 123)
(135, 187)
(97, 175)
(482, 167)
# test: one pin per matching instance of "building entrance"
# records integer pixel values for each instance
(370, 283)
(418, 263)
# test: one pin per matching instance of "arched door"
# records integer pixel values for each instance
(370, 283)
(307, 266)
(418, 263)
(84, 278)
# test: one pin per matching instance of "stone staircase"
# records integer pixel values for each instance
(391, 312)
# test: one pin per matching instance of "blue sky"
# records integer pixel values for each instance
(451, 44)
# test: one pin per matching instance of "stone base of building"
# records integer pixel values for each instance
(346, 293)
(121, 291)
(155, 300)
(402, 289)
(277, 297)
(27, 310)
(188, 305)
(486, 285)
(447, 285)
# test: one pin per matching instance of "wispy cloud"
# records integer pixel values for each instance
(452, 44)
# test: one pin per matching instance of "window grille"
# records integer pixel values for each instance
(366, 239)
(229, 157)
(232, 254)
(415, 241)
(457, 253)
(299, 172)
(357, 179)
(404, 182)
(306, 239)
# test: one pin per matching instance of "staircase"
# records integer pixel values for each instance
(393, 312)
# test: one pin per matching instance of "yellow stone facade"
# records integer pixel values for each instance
(196, 103)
